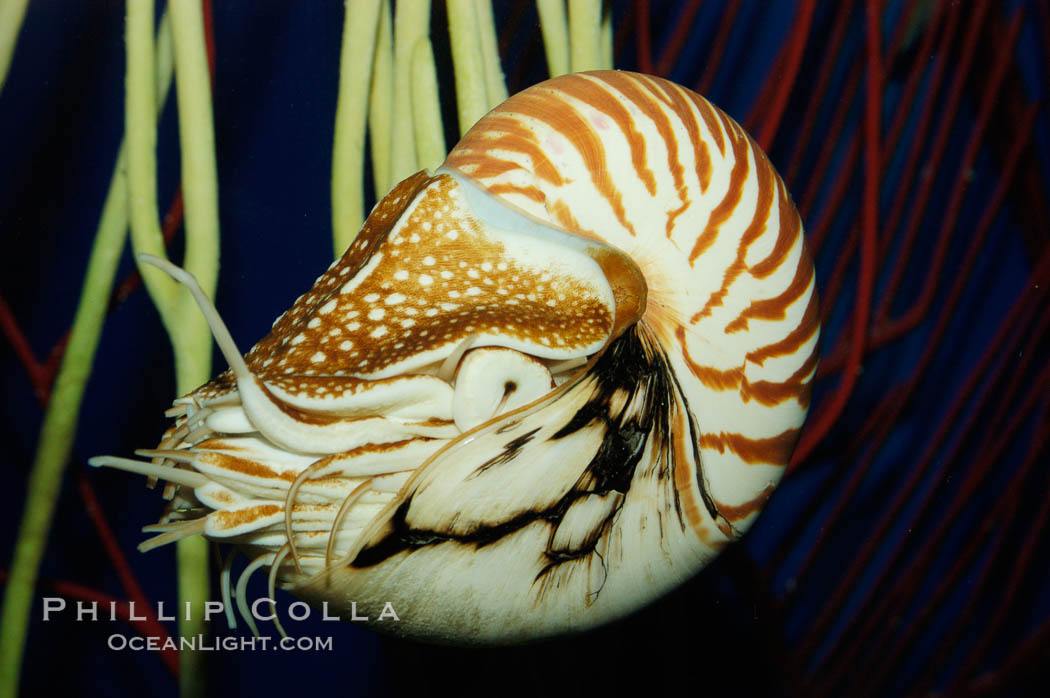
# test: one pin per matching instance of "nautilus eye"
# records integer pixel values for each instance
(545, 385)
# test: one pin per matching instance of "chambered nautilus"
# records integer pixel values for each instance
(545, 385)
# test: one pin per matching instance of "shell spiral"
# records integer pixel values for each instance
(546, 384)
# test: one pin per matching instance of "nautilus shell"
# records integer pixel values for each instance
(545, 385)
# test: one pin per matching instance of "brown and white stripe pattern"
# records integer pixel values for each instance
(655, 170)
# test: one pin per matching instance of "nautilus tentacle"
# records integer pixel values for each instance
(545, 385)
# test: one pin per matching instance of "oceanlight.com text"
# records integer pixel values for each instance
(120, 642)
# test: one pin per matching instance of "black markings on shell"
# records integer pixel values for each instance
(633, 398)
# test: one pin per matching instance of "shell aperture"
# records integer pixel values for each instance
(543, 386)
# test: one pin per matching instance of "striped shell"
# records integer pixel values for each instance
(544, 386)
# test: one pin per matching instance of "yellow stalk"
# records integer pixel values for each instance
(411, 23)
(200, 189)
(351, 112)
(426, 107)
(495, 86)
(585, 21)
(608, 59)
(141, 125)
(381, 104)
(555, 35)
(471, 94)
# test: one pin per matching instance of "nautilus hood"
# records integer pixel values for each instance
(440, 268)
